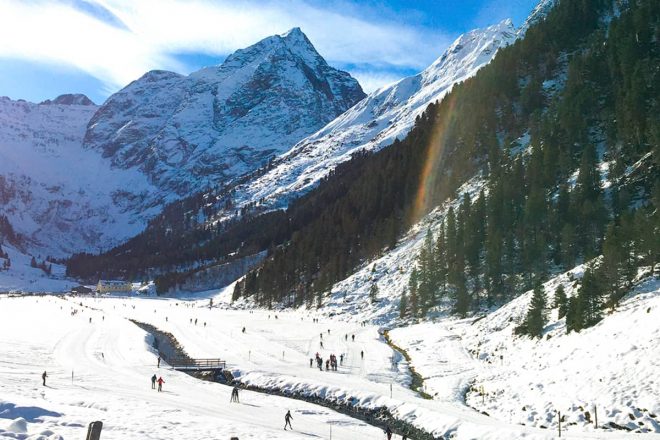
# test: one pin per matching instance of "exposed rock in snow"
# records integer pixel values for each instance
(190, 132)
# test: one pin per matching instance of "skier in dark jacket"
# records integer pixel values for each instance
(43, 377)
(388, 432)
(287, 420)
(153, 382)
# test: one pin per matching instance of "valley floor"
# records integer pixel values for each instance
(111, 360)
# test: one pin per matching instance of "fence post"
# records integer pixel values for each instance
(94, 430)
(595, 416)
(559, 418)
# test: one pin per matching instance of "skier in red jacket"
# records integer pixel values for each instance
(160, 384)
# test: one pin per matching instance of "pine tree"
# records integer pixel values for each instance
(403, 305)
(536, 318)
(574, 314)
(373, 292)
(561, 301)
(589, 297)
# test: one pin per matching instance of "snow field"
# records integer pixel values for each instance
(112, 361)
(274, 354)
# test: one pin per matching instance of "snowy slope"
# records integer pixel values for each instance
(60, 197)
(377, 120)
(22, 277)
(187, 133)
(611, 367)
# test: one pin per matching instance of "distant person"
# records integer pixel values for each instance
(160, 384)
(234, 395)
(43, 377)
(287, 420)
(153, 382)
(388, 433)
(311, 362)
(243, 330)
(158, 361)
(353, 338)
(362, 354)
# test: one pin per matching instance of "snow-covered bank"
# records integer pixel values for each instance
(611, 367)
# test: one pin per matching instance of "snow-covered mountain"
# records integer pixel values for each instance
(376, 121)
(57, 196)
(190, 132)
(77, 177)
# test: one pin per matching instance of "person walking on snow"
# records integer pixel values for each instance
(287, 420)
(158, 361)
(234, 395)
(160, 384)
(153, 382)
(388, 432)
(43, 377)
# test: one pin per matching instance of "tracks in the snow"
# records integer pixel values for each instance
(381, 417)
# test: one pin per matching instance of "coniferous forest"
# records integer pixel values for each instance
(582, 87)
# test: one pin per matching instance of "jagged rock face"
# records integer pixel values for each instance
(377, 120)
(190, 132)
(58, 197)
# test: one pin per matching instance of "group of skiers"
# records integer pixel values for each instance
(330, 364)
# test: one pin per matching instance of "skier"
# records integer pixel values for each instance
(341, 358)
(43, 377)
(321, 335)
(388, 432)
(158, 361)
(327, 364)
(353, 338)
(362, 354)
(153, 382)
(311, 361)
(160, 384)
(346, 337)
(287, 420)
(243, 329)
(321, 344)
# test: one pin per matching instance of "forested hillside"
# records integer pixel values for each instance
(564, 125)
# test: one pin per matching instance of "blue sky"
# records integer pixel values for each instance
(50, 47)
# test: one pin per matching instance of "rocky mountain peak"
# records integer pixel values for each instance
(69, 99)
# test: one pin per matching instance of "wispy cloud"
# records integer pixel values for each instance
(118, 40)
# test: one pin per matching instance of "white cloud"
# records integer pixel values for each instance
(48, 31)
(372, 80)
